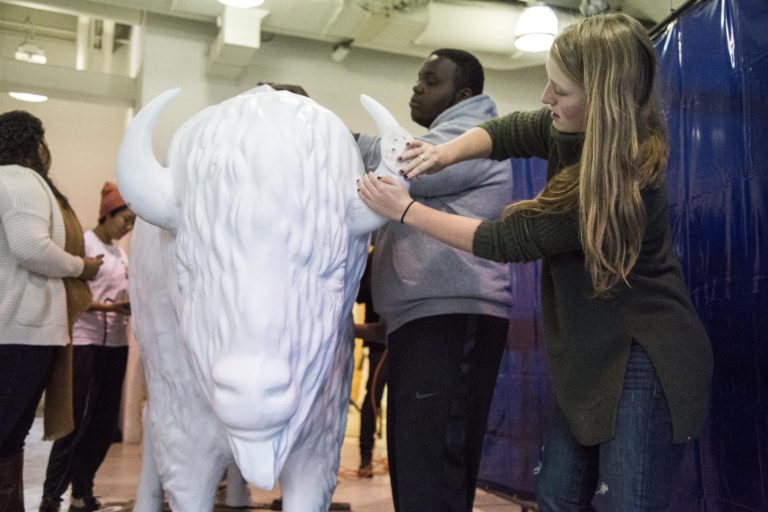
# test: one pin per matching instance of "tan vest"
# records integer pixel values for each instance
(58, 415)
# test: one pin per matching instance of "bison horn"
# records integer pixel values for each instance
(361, 219)
(381, 116)
(393, 137)
(147, 186)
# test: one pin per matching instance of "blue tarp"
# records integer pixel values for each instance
(714, 80)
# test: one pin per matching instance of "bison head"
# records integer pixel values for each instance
(270, 242)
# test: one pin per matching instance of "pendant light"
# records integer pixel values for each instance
(536, 28)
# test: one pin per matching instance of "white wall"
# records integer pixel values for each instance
(386, 77)
(175, 55)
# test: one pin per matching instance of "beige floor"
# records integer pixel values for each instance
(117, 479)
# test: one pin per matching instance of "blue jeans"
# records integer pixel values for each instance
(23, 372)
(633, 472)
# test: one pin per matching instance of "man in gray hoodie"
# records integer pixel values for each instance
(446, 310)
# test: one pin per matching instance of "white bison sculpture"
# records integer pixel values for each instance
(243, 280)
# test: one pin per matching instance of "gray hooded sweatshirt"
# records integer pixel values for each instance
(415, 276)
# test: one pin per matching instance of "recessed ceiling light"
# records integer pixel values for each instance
(27, 96)
(242, 4)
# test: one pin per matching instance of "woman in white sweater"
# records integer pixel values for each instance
(33, 306)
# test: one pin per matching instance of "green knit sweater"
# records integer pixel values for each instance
(588, 339)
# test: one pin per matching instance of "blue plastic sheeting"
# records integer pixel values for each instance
(714, 65)
(521, 401)
(714, 80)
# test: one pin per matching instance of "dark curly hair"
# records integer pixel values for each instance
(22, 142)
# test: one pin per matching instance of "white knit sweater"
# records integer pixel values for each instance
(33, 304)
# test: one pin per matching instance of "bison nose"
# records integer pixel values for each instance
(254, 394)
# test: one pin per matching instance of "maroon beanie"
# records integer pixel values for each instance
(110, 199)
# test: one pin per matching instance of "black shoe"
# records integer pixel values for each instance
(49, 504)
(365, 471)
(90, 504)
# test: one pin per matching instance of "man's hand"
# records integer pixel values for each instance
(373, 332)
(121, 308)
(295, 89)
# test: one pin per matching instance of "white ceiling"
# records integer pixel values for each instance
(651, 11)
(483, 27)
(480, 26)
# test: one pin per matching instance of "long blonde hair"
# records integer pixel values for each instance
(625, 143)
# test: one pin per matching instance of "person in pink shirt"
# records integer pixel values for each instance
(100, 340)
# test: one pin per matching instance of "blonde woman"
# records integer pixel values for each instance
(630, 360)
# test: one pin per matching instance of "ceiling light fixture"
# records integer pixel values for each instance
(387, 6)
(592, 7)
(29, 50)
(341, 50)
(536, 28)
(242, 4)
(28, 96)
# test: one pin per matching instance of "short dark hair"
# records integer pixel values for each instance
(469, 71)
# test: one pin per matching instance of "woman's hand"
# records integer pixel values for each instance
(422, 158)
(91, 266)
(384, 195)
(389, 198)
(121, 307)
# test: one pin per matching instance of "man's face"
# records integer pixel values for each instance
(434, 91)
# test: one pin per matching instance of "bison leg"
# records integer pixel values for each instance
(308, 478)
(149, 495)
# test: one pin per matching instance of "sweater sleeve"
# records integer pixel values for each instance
(459, 177)
(525, 237)
(25, 212)
(519, 135)
(454, 179)
(370, 150)
(33, 248)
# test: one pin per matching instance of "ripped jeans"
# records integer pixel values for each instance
(633, 472)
